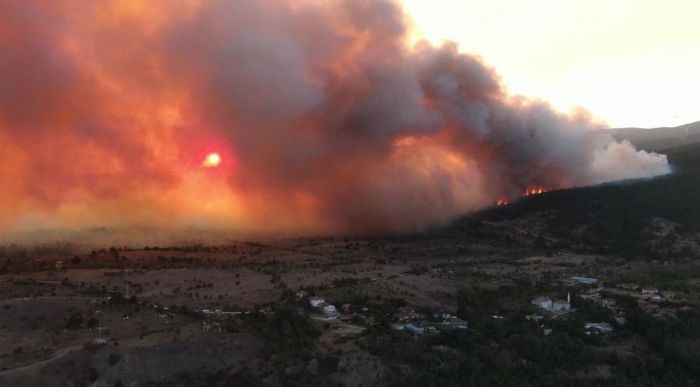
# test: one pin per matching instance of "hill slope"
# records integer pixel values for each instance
(652, 218)
(659, 139)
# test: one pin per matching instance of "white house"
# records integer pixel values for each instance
(543, 303)
(329, 310)
(397, 326)
(561, 305)
(620, 318)
(414, 328)
(585, 280)
(316, 302)
(553, 306)
(595, 328)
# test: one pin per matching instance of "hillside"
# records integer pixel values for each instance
(650, 218)
(659, 139)
(686, 156)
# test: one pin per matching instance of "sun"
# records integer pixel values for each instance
(212, 160)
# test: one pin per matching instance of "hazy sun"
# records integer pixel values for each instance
(212, 160)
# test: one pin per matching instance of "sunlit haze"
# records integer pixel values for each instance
(629, 62)
(212, 160)
(312, 116)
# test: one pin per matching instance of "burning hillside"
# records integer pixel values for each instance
(310, 116)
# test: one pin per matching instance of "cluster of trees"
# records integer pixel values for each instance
(675, 343)
(671, 277)
(514, 352)
(286, 329)
(20, 252)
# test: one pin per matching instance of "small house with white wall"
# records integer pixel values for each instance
(329, 310)
(414, 328)
(543, 303)
(316, 302)
(596, 328)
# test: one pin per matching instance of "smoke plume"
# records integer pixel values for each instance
(324, 117)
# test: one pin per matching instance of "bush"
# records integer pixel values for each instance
(113, 358)
(286, 330)
(74, 321)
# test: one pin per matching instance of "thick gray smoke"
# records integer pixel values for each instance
(326, 119)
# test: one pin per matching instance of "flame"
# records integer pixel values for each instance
(530, 191)
(502, 202)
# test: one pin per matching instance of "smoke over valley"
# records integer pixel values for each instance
(304, 116)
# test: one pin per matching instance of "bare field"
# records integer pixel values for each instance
(156, 315)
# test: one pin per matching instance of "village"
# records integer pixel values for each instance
(345, 295)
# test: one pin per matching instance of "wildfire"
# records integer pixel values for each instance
(530, 191)
(345, 129)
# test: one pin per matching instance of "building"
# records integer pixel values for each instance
(620, 319)
(329, 310)
(397, 326)
(557, 306)
(95, 344)
(454, 324)
(596, 328)
(461, 326)
(543, 303)
(406, 314)
(585, 280)
(443, 316)
(316, 302)
(414, 328)
(561, 306)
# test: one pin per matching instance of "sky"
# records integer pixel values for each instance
(629, 62)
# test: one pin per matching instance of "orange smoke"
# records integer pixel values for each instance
(322, 118)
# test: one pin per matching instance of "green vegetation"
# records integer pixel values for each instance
(20, 252)
(287, 330)
(514, 352)
(685, 278)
